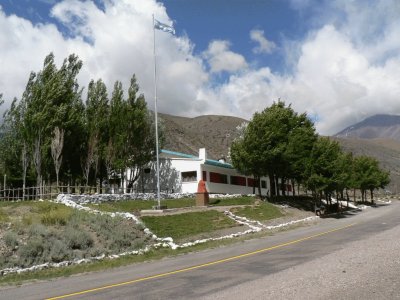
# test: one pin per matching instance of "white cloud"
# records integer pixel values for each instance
(264, 45)
(221, 58)
(113, 44)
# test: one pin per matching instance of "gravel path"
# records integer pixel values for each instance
(364, 269)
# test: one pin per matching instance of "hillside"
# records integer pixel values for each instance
(374, 127)
(386, 151)
(188, 135)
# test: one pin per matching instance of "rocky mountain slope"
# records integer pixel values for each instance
(374, 127)
(188, 135)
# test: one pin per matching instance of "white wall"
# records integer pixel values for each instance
(229, 188)
(187, 165)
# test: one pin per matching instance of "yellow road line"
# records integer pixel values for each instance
(200, 266)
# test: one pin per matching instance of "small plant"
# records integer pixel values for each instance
(31, 252)
(37, 230)
(78, 239)
(55, 217)
(11, 239)
(59, 251)
(3, 216)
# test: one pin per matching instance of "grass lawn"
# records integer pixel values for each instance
(262, 212)
(244, 200)
(185, 225)
(137, 205)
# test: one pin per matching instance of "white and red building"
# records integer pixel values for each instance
(181, 172)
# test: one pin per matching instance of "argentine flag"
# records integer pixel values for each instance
(163, 27)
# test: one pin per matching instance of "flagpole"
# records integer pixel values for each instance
(155, 113)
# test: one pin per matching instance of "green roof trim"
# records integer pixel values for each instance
(218, 164)
(178, 154)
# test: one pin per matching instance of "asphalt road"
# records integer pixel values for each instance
(357, 256)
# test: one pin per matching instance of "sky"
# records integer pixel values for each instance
(336, 60)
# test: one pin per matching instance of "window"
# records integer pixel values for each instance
(238, 180)
(263, 184)
(218, 178)
(189, 176)
(205, 175)
(253, 183)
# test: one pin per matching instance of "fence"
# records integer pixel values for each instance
(51, 192)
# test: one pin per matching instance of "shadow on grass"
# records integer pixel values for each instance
(305, 203)
(214, 201)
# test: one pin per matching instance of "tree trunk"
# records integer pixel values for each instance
(258, 181)
(272, 184)
(283, 186)
(37, 159)
(293, 187)
(57, 145)
(25, 160)
(276, 185)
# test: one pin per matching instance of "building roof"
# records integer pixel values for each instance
(218, 163)
(211, 162)
(174, 153)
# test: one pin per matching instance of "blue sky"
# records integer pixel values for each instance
(337, 60)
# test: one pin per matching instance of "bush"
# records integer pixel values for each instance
(37, 230)
(11, 239)
(55, 217)
(3, 216)
(32, 252)
(78, 239)
(59, 251)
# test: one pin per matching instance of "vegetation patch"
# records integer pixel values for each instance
(137, 205)
(133, 206)
(262, 212)
(244, 200)
(181, 226)
(3, 216)
(40, 232)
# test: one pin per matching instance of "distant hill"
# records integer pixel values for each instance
(386, 151)
(377, 136)
(377, 126)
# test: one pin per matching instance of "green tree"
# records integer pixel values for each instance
(322, 168)
(140, 133)
(96, 117)
(268, 145)
(369, 176)
(300, 141)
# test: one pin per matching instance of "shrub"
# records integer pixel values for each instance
(78, 239)
(59, 251)
(31, 252)
(11, 239)
(3, 216)
(55, 217)
(37, 230)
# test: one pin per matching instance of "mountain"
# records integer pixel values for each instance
(386, 151)
(377, 136)
(377, 126)
(188, 135)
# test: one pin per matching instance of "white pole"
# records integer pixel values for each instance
(155, 113)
